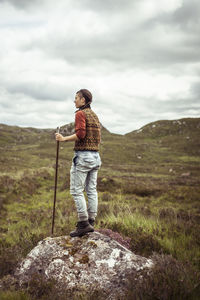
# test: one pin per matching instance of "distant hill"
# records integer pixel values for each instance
(68, 129)
(186, 126)
(162, 142)
(177, 135)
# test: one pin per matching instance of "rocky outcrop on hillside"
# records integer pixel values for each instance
(94, 261)
(67, 129)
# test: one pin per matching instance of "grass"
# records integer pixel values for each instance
(143, 199)
(14, 295)
(150, 234)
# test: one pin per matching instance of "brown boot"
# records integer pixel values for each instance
(91, 221)
(82, 228)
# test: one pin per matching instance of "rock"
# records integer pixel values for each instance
(187, 174)
(94, 260)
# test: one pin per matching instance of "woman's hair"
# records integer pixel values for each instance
(86, 94)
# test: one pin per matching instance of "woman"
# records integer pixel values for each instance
(85, 163)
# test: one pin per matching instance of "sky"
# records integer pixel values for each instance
(139, 58)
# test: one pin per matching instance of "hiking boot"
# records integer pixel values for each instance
(82, 228)
(91, 221)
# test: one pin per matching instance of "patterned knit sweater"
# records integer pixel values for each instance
(88, 130)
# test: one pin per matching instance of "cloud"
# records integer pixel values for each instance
(195, 92)
(22, 4)
(22, 110)
(185, 16)
(91, 35)
(140, 59)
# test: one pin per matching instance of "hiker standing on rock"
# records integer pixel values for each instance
(85, 163)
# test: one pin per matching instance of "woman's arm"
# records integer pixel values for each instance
(69, 138)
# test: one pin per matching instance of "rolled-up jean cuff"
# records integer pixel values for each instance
(83, 216)
(92, 215)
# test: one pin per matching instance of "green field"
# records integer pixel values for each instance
(149, 194)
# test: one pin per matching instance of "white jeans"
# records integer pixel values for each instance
(83, 175)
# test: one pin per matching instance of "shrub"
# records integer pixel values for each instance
(144, 243)
(14, 295)
(2, 201)
(140, 188)
(106, 196)
(8, 260)
(103, 209)
(167, 213)
(168, 279)
(124, 241)
(27, 185)
(6, 184)
(39, 287)
(107, 184)
(145, 210)
(183, 215)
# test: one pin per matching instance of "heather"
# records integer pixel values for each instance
(149, 190)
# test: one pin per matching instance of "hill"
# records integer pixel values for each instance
(168, 128)
(162, 150)
(161, 142)
(148, 187)
(177, 134)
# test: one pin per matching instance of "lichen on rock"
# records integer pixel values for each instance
(90, 261)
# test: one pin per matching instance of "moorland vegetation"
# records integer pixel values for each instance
(149, 200)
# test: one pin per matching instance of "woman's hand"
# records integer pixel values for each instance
(59, 137)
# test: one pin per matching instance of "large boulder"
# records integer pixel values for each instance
(94, 261)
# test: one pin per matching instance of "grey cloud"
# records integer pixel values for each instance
(134, 45)
(27, 24)
(22, 3)
(179, 105)
(142, 110)
(5, 105)
(126, 45)
(185, 23)
(40, 91)
(26, 111)
(129, 46)
(130, 52)
(106, 6)
(195, 91)
(95, 5)
(188, 13)
(186, 17)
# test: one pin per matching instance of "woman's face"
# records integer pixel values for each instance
(79, 101)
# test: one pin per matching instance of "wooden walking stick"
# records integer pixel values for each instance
(55, 187)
